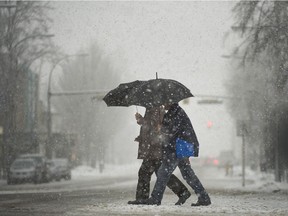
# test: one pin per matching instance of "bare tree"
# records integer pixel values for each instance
(264, 25)
(80, 115)
(24, 38)
(263, 75)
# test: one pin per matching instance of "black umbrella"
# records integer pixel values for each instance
(154, 92)
(119, 95)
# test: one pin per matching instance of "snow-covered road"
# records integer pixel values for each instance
(92, 193)
(260, 196)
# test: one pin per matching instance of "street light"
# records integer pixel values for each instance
(49, 94)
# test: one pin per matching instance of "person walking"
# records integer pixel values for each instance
(150, 150)
(176, 124)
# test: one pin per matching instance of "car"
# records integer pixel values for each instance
(60, 169)
(24, 170)
(41, 163)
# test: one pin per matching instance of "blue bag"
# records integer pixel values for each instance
(184, 148)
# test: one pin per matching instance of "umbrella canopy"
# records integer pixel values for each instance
(119, 95)
(154, 92)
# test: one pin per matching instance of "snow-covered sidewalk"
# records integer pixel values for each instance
(261, 195)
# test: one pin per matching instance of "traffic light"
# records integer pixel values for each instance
(209, 124)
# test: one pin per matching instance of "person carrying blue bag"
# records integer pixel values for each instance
(150, 151)
(179, 142)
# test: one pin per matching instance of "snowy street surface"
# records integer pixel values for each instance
(93, 193)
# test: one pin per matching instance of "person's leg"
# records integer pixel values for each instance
(143, 184)
(179, 189)
(164, 172)
(144, 177)
(176, 186)
(191, 178)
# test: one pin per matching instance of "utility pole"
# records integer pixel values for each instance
(243, 158)
(277, 162)
(242, 131)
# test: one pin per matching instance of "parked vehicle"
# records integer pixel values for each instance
(24, 170)
(41, 163)
(60, 169)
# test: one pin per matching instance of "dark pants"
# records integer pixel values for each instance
(148, 167)
(165, 171)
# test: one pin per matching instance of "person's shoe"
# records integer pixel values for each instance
(135, 202)
(202, 202)
(151, 201)
(183, 197)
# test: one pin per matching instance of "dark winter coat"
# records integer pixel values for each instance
(176, 124)
(149, 143)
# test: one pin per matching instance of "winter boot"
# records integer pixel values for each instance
(183, 197)
(202, 201)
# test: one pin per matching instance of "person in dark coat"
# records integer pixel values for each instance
(176, 124)
(150, 150)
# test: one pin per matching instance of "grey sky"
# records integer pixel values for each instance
(176, 39)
